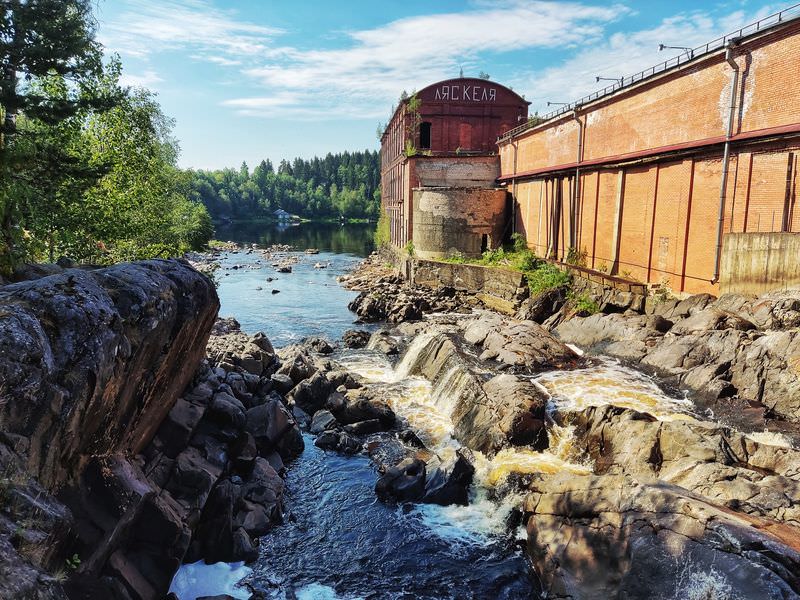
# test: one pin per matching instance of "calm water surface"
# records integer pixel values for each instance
(309, 301)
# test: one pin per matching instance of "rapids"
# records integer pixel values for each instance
(337, 540)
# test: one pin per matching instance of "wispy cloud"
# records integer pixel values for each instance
(361, 75)
(375, 64)
(148, 79)
(147, 27)
(624, 54)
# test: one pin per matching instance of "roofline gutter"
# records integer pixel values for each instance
(699, 145)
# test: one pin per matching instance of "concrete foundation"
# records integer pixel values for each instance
(754, 263)
(462, 221)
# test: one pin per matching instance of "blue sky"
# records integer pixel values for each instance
(254, 79)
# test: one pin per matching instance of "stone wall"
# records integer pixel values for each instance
(458, 171)
(458, 220)
(753, 263)
(500, 289)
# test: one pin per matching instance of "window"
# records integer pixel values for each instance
(425, 135)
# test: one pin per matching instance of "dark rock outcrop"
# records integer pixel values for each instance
(405, 482)
(449, 483)
(148, 471)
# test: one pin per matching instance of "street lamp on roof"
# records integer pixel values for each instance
(619, 80)
(689, 51)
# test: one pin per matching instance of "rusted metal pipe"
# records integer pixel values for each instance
(726, 157)
(576, 188)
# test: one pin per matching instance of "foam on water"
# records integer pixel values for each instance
(771, 438)
(317, 591)
(429, 415)
(199, 579)
(608, 382)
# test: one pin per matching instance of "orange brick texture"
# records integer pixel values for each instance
(651, 167)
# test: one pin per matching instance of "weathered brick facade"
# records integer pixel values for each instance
(650, 164)
(455, 120)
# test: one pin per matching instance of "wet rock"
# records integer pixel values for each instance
(319, 345)
(409, 437)
(327, 440)
(383, 342)
(365, 427)
(273, 428)
(346, 379)
(322, 421)
(177, 428)
(297, 367)
(311, 394)
(449, 483)
(336, 402)
(542, 306)
(227, 411)
(366, 407)
(640, 537)
(355, 338)
(487, 415)
(405, 482)
(517, 343)
(339, 441)
(282, 383)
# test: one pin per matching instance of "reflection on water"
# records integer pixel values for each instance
(350, 238)
(306, 302)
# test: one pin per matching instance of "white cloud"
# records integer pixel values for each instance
(148, 79)
(366, 75)
(147, 27)
(624, 54)
(363, 75)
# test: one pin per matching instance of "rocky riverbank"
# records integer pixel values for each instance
(136, 433)
(687, 505)
(668, 506)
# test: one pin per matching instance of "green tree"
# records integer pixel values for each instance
(39, 39)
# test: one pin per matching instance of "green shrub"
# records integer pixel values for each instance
(584, 304)
(519, 243)
(382, 235)
(410, 248)
(576, 257)
(545, 277)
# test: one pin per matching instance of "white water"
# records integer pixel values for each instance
(771, 438)
(608, 382)
(200, 579)
(412, 398)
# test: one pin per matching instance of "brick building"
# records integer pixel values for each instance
(445, 137)
(677, 175)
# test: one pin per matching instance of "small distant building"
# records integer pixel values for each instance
(282, 215)
(440, 164)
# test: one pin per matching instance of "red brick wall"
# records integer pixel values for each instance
(660, 143)
(466, 115)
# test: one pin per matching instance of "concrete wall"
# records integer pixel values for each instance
(657, 221)
(449, 220)
(463, 172)
(754, 263)
(500, 289)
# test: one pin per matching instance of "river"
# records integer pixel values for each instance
(337, 541)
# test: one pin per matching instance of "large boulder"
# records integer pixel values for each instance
(274, 429)
(612, 537)
(405, 482)
(92, 361)
(449, 483)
